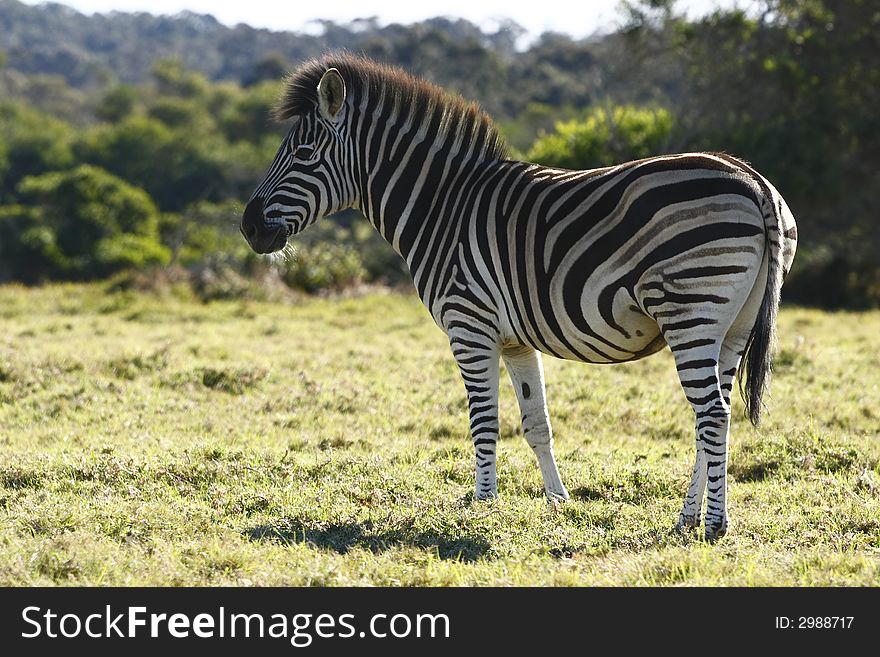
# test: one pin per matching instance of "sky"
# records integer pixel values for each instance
(576, 17)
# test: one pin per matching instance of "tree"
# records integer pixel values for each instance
(176, 167)
(796, 92)
(31, 143)
(174, 79)
(79, 224)
(247, 115)
(270, 68)
(117, 103)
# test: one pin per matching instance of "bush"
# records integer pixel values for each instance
(128, 250)
(204, 229)
(22, 242)
(175, 166)
(117, 103)
(379, 259)
(31, 143)
(604, 138)
(833, 278)
(323, 266)
(79, 224)
(218, 278)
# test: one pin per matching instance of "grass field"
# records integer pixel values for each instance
(152, 440)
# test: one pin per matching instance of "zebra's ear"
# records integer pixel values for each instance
(331, 94)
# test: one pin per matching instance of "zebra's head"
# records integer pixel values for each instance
(307, 179)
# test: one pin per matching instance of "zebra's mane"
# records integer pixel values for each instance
(414, 97)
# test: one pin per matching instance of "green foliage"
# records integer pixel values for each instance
(323, 266)
(218, 278)
(607, 136)
(202, 230)
(795, 92)
(179, 114)
(128, 250)
(830, 278)
(535, 119)
(270, 68)
(117, 104)
(31, 143)
(247, 115)
(190, 147)
(173, 78)
(344, 248)
(176, 167)
(4, 161)
(22, 243)
(791, 88)
(79, 224)
(379, 260)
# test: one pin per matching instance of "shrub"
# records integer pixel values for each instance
(605, 137)
(175, 166)
(203, 230)
(80, 224)
(323, 266)
(218, 277)
(31, 143)
(833, 278)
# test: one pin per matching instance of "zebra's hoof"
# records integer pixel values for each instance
(555, 497)
(715, 530)
(687, 522)
(486, 496)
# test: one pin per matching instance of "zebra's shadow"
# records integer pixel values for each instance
(342, 537)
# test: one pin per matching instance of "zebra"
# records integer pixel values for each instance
(514, 260)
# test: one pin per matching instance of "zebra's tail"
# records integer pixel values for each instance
(781, 236)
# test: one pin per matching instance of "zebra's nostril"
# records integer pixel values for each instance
(252, 219)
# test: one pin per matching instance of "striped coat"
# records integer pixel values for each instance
(514, 260)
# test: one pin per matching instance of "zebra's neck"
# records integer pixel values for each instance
(412, 177)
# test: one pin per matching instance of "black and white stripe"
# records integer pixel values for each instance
(513, 259)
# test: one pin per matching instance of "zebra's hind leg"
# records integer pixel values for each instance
(693, 502)
(478, 363)
(698, 371)
(693, 374)
(527, 374)
(729, 360)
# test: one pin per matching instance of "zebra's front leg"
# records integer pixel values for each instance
(478, 363)
(527, 374)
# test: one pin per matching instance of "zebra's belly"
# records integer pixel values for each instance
(586, 354)
(623, 332)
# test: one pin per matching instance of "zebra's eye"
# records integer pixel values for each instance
(304, 152)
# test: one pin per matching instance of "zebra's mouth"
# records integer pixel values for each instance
(264, 234)
(270, 239)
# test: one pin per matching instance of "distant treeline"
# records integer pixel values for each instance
(128, 142)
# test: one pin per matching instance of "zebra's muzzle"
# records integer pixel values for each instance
(263, 237)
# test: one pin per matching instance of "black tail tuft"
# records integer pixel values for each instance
(757, 358)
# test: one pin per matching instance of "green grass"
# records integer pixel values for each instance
(151, 440)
